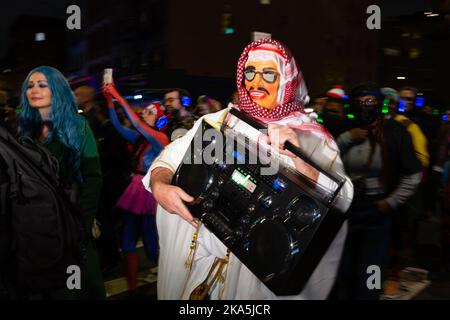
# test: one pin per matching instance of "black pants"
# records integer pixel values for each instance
(367, 246)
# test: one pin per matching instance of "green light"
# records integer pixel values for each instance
(319, 120)
(240, 179)
(350, 116)
(346, 105)
(435, 112)
(385, 108)
(229, 31)
(237, 177)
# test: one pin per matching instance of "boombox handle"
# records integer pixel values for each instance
(289, 146)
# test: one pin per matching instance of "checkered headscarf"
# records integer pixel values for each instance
(292, 93)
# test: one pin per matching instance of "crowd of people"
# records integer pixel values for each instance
(119, 159)
(406, 145)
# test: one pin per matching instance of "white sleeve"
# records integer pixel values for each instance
(324, 152)
(170, 158)
(345, 195)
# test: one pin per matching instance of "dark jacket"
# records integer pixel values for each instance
(400, 158)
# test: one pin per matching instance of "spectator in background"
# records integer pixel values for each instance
(234, 98)
(430, 129)
(406, 218)
(115, 174)
(333, 113)
(176, 101)
(408, 96)
(318, 104)
(139, 205)
(418, 138)
(8, 114)
(379, 158)
(3, 99)
(441, 171)
(421, 115)
(408, 100)
(206, 105)
(49, 114)
(86, 102)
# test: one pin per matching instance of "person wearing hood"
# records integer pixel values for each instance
(271, 89)
(379, 157)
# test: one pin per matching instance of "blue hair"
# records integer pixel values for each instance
(67, 125)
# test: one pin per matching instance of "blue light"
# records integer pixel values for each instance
(401, 106)
(445, 117)
(420, 101)
(186, 101)
(162, 122)
(279, 185)
(240, 158)
(137, 97)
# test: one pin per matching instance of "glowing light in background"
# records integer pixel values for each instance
(39, 37)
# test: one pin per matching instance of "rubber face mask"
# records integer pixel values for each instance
(262, 81)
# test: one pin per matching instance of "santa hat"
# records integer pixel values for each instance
(337, 93)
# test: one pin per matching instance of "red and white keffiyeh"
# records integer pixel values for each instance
(292, 92)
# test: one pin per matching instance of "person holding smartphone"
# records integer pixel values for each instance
(139, 206)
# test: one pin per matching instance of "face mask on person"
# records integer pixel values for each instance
(366, 110)
(331, 118)
(262, 81)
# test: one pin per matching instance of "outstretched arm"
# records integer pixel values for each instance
(129, 134)
(154, 137)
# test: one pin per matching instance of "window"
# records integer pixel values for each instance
(40, 36)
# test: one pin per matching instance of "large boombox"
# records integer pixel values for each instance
(278, 224)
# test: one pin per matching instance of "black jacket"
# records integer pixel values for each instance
(400, 158)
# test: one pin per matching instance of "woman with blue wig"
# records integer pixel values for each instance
(50, 115)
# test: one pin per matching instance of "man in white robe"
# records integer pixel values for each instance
(271, 90)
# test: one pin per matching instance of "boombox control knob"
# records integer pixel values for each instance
(304, 213)
(208, 205)
(266, 201)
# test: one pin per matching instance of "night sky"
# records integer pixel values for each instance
(57, 9)
(391, 8)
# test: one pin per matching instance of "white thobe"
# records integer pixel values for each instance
(175, 281)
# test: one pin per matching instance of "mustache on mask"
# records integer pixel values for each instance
(260, 89)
